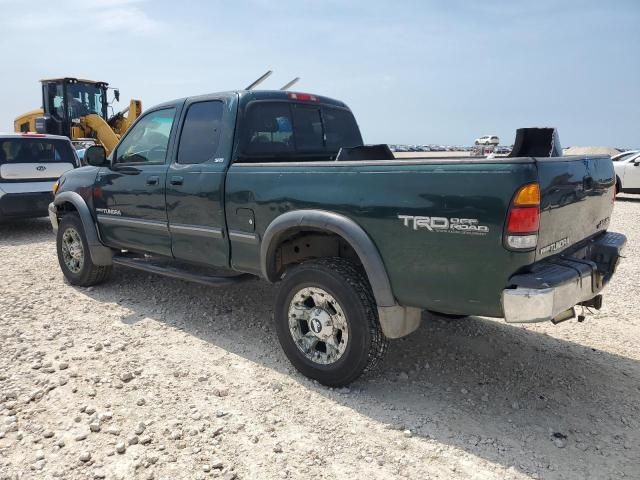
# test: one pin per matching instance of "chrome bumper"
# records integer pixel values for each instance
(556, 285)
(53, 216)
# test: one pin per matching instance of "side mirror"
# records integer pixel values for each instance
(116, 94)
(95, 155)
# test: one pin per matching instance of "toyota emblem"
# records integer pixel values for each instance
(41, 168)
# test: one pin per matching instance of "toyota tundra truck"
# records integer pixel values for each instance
(276, 185)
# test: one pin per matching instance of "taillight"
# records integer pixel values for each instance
(523, 221)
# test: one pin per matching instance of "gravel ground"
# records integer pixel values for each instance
(153, 378)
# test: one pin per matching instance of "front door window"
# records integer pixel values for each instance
(148, 139)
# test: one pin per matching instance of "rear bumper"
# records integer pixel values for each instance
(24, 205)
(553, 286)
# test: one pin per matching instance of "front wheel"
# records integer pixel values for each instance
(327, 321)
(73, 254)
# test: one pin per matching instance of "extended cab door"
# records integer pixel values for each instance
(195, 181)
(129, 196)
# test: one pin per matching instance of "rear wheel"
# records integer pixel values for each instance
(327, 321)
(73, 254)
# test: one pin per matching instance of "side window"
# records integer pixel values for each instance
(341, 129)
(148, 139)
(268, 129)
(200, 133)
(307, 124)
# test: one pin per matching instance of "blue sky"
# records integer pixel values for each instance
(412, 71)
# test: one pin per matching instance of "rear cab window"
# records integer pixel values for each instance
(289, 131)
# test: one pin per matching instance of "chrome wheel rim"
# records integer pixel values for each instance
(318, 325)
(72, 250)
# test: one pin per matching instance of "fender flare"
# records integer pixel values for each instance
(100, 255)
(334, 223)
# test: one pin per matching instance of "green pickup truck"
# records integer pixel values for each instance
(222, 188)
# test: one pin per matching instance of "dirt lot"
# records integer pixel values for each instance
(148, 377)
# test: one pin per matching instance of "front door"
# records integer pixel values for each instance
(129, 196)
(195, 183)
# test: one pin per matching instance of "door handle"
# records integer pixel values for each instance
(175, 180)
(153, 180)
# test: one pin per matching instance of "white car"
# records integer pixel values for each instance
(627, 167)
(30, 163)
(488, 140)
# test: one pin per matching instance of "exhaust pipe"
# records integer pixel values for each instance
(564, 316)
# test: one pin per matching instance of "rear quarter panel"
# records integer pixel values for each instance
(442, 271)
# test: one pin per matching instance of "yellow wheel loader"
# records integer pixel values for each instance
(78, 109)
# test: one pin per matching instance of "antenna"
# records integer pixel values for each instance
(290, 84)
(259, 80)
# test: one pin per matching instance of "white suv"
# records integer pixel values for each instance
(488, 140)
(30, 163)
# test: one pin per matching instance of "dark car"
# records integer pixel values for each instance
(278, 185)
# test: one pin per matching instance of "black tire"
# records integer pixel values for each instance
(618, 186)
(366, 343)
(88, 273)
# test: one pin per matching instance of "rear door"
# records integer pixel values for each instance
(129, 196)
(577, 195)
(195, 182)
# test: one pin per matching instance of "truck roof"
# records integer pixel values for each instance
(246, 96)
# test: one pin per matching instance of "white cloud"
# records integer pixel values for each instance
(108, 16)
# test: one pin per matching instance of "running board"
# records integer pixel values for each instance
(168, 271)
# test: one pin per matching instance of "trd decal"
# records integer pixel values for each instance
(469, 226)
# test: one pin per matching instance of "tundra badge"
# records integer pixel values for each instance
(555, 246)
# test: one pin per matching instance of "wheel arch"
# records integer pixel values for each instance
(287, 224)
(65, 201)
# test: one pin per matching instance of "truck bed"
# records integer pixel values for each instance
(461, 272)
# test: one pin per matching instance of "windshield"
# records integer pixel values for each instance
(83, 99)
(40, 150)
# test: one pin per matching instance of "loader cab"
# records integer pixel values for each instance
(65, 100)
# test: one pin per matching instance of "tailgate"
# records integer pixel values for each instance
(577, 196)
